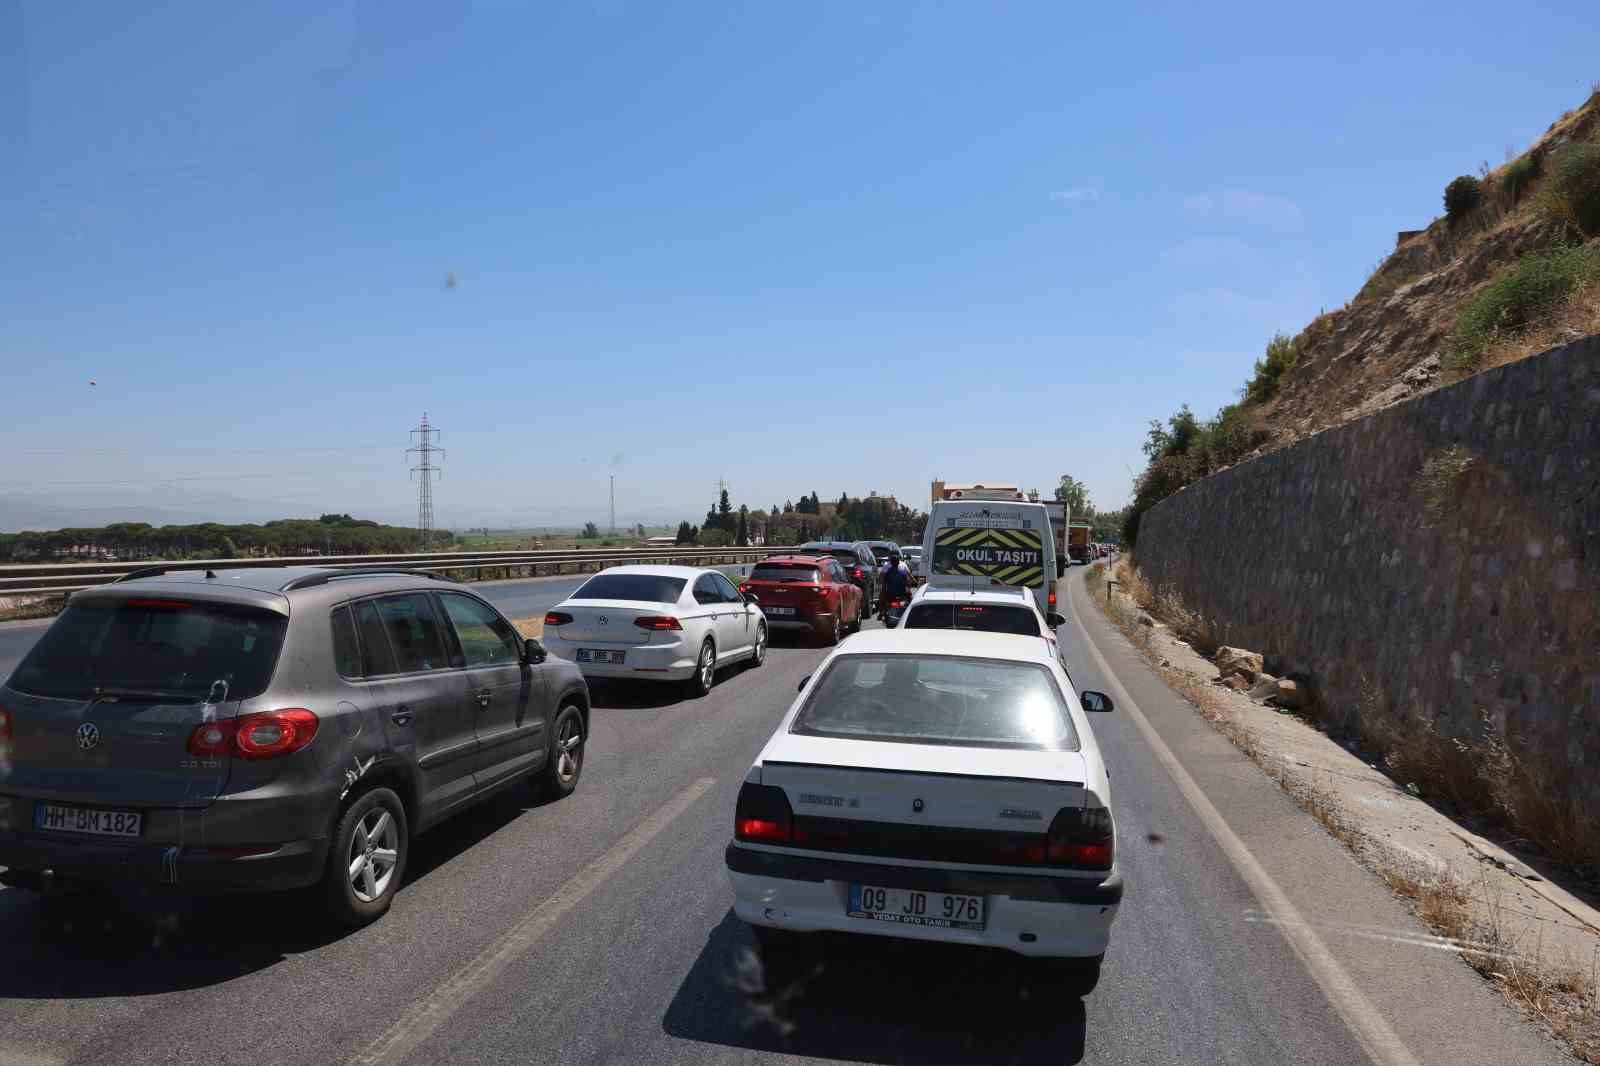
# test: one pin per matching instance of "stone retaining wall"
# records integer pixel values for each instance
(1436, 564)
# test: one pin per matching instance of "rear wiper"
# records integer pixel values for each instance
(114, 692)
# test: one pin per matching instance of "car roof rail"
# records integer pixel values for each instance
(151, 571)
(305, 581)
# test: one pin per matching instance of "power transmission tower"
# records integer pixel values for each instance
(424, 448)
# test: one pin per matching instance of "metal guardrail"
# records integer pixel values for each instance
(36, 580)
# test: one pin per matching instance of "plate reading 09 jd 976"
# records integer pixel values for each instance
(943, 910)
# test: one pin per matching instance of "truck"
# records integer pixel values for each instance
(978, 543)
(1078, 541)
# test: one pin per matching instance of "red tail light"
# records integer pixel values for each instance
(763, 815)
(656, 621)
(856, 573)
(1081, 837)
(5, 730)
(166, 605)
(274, 733)
(893, 604)
(1051, 599)
(745, 589)
(557, 618)
(255, 736)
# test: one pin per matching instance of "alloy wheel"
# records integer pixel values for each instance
(374, 853)
(569, 748)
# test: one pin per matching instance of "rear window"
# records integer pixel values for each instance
(937, 699)
(647, 588)
(169, 647)
(982, 617)
(784, 572)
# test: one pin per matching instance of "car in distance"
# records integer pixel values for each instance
(934, 785)
(270, 728)
(859, 562)
(806, 592)
(997, 609)
(657, 623)
(912, 554)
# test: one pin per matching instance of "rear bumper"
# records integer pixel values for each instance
(815, 622)
(641, 662)
(33, 860)
(1062, 917)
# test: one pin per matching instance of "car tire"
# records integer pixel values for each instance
(356, 895)
(855, 624)
(1074, 978)
(565, 764)
(759, 654)
(834, 633)
(705, 671)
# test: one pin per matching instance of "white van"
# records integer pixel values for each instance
(982, 543)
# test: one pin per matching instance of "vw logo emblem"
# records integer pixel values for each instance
(88, 736)
(916, 805)
(602, 619)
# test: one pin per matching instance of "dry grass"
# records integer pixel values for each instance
(20, 608)
(529, 627)
(1579, 313)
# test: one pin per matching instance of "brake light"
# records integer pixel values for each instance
(557, 618)
(745, 589)
(657, 622)
(763, 815)
(274, 733)
(1051, 598)
(5, 730)
(211, 739)
(1081, 837)
(893, 604)
(165, 605)
(856, 572)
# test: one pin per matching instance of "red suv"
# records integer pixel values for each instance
(811, 592)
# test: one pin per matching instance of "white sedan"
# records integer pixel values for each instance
(934, 785)
(660, 623)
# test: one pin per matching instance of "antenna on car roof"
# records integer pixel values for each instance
(210, 575)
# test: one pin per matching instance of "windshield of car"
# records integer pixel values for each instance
(984, 617)
(937, 699)
(790, 572)
(647, 588)
(162, 646)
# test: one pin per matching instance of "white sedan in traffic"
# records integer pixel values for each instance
(934, 785)
(657, 623)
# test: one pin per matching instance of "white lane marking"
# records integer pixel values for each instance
(1363, 1018)
(426, 1016)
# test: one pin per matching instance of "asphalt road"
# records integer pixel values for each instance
(599, 929)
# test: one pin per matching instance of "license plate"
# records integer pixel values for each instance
(57, 819)
(601, 655)
(907, 906)
(779, 610)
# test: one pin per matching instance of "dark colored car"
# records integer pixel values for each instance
(806, 592)
(859, 562)
(270, 728)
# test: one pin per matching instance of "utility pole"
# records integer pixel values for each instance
(613, 503)
(424, 448)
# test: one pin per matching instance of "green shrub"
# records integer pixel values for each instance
(1517, 176)
(1516, 299)
(1572, 192)
(1461, 196)
(1282, 354)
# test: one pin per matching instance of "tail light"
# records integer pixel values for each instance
(763, 815)
(1081, 837)
(657, 622)
(266, 736)
(557, 618)
(744, 589)
(857, 574)
(1051, 598)
(255, 736)
(5, 730)
(896, 604)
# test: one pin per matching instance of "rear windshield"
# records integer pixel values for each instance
(784, 572)
(983, 617)
(937, 699)
(649, 588)
(166, 647)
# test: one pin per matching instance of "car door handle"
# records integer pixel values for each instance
(484, 696)
(402, 715)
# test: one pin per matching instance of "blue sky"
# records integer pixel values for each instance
(830, 246)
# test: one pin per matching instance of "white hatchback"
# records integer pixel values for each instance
(934, 785)
(657, 623)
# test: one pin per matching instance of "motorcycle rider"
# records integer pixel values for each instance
(896, 584)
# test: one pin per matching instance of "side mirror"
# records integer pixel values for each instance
(1054, 620)
(751, 597)
(1096, 702)
(803, 681)
(534, 652)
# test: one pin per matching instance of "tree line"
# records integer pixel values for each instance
(331, 534)
(850, 518)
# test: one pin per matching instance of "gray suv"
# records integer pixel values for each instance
(271, 728)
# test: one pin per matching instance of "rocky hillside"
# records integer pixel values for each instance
(1395, 338)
